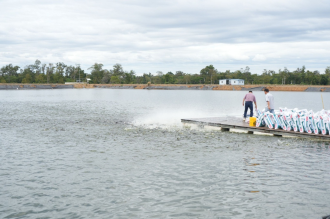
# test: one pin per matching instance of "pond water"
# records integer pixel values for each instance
(101, 153)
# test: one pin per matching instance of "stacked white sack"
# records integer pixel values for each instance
(296, 120)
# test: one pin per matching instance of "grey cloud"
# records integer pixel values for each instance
(159, 32)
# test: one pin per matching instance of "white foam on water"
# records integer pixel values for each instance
(171, 118)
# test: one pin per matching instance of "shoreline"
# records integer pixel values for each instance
(291, 88)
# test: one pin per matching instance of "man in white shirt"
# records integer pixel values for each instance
(270, 101)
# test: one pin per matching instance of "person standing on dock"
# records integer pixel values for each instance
(270, 101)
(249, 99)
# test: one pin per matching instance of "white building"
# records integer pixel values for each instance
(231, 82)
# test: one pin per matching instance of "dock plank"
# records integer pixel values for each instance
(237, 123)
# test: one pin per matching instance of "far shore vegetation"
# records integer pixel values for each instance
(61, 73)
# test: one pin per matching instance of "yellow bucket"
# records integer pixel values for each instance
(253, 121)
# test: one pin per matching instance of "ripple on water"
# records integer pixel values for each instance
(90, 159)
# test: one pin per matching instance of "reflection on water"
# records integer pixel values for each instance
(124, 154)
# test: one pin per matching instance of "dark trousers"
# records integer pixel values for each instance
(248, 105)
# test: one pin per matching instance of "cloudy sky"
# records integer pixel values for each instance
(167, 35)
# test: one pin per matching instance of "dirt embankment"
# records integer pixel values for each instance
(306, 88)
(9, 86)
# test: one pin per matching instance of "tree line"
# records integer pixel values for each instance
(41, 73)
(61, 73)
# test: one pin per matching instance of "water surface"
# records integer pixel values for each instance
(99, 153)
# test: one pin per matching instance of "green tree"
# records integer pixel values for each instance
(186, 78)
(27, 79)
(9, 72)
(324, 80)
(41, 78)
(169, 78)
(327, 73)
(129, 77)
(60, 68)
(35, 68)
(106, 77)
(50, 73)
(97, 73)
(114, 80)
(118, 70)
(209, 74)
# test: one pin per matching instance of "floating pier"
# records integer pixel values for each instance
(236, 123)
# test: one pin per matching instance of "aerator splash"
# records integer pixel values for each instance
(297, 120)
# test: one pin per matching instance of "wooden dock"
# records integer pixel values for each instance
(236, 123)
